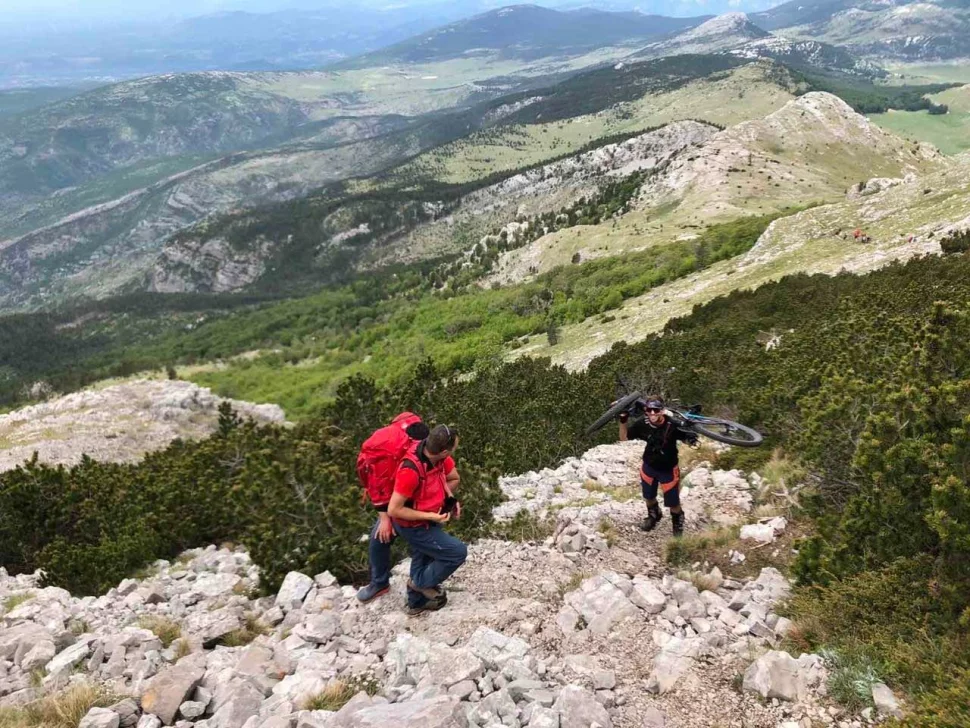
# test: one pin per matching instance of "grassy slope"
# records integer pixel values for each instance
(949, 132)
(806, 242)
(741, 94)
(754, 168)
(919, 73)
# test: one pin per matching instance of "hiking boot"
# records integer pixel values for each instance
(678, 523)
(431, 592)
(372, 591)
(431, 605)
(653, 518)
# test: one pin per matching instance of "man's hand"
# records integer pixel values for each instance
(624, 416)
(385, 529)
(440, 517)
(457, 510)
(691, 439)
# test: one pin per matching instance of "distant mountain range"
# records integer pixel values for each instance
(529, 31)
(288, 40)
(892, 29)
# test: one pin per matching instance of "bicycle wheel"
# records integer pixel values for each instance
(727, 431)
(621, 405)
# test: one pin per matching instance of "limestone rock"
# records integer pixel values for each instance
(100, 718)
(760, 532)
(320, 628)
(172, 686)
(654, 718)
(648, 597)
(886, 703)
(443, 712)
(544, 718)
(494, 648)
(602, 604)
(578, 708)
(293, 590)
(447, 667)
(774, 675)
(210, 627)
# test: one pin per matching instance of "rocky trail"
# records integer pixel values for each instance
(585, 627)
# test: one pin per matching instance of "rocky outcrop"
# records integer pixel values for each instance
(119, 423)
(624, 644)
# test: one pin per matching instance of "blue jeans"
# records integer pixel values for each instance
(380, 558)
(435, 555)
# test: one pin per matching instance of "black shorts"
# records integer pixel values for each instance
(652, 480)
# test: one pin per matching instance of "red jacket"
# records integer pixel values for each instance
(421, 483)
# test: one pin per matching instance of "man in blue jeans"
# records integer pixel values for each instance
(422, 501)
(381, 535)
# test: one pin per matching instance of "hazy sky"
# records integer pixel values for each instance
(128, 10)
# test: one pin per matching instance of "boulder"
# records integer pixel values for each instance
(494, 648)
(298, 687)
(578, 708)
(654, 718)
(191, 709)
(447, 667)
(544, 718)
(498, 704)
(172, 686)
(240, 705)
(65, 660)
(320, 628)
(149, 721)
(210, 627)
(293, 591)
(885, 701)
(774, 675)
(602, 604)
(442, 712)
(22, 638)
(38, 656)
(648, 597)
(674, 660)
(100, 718)
(760, 532)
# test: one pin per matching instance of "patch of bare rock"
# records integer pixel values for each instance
(570, 632)
(119, 423)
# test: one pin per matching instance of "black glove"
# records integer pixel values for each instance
(690, 438)
(624, 416)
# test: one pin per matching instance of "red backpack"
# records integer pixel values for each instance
(381, 455)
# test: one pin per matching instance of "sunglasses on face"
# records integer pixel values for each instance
(653, 411)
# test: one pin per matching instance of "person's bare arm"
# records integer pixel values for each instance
(397, 509)
(624, 433)
(452, 480)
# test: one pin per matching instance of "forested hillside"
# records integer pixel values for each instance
(865, 389)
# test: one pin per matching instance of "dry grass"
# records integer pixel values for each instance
(246, 634)
(15, 600)
(339, 692)
(525, 527)
(608, 529)
(702, 582)
(572, 583)
(165, 629)
(712, 548)
(60, 710)
(182, 648)
(620, 493)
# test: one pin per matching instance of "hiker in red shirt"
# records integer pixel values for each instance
(377, 464)
(422, 501)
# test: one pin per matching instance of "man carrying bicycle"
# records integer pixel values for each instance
(660, 470)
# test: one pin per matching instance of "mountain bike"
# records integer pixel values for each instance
(688, 419)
